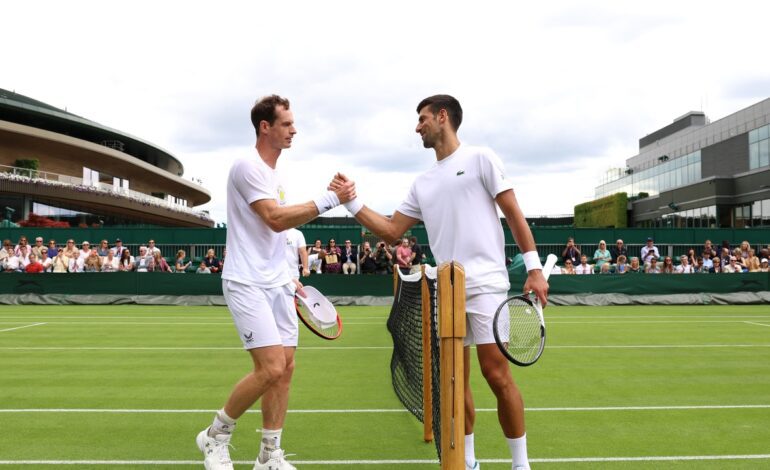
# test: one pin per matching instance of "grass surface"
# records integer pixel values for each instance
(678, 366)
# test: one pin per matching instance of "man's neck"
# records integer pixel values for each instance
(446, 147)
(268, 154)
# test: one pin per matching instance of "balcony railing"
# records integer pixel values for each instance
(73, 182)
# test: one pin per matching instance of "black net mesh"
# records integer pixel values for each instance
(405, 327)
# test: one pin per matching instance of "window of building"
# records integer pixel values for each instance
(671, 174)
(759, 147)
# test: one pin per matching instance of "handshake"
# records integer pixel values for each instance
(345, 189)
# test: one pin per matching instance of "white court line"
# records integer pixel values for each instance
(359, 348)
(753, 323)
(20, 327)
(383, 410)
(667, 458)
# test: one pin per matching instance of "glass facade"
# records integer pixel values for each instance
(667, 175)
(760, 213)
(701, 217)
(759, 147)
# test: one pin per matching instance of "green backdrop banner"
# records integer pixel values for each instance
(356, 285)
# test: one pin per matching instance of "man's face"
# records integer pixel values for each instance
(428, 127)
(282, 131)
(39, 242)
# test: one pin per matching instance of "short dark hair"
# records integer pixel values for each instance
(264, 110)
(449, 103)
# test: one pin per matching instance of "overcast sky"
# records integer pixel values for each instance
(561, 90)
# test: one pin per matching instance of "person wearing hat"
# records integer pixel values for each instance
(649, 251)
(37, 247)
(763, 266)
(117, 250)
(85, 250)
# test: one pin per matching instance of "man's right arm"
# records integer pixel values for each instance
(389, 229)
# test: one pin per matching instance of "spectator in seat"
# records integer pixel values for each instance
(332, 260)
(45, 260)
(61, 262)
(126, 262)
(417, 255)
(709, 248)
(52, 249)
(605, 269)
(568, 268)
(684, 266)
(110, 263)
(740, 260)
(708, 263)
(653, 267)
(23, 257)
(296, 254)
(733, 266)
(724, 256)
(649, 251)
(745, 249)
(366, 260)
(315, 257)
(85, 250)
(763, 266)
(349, 258)
(203, 269)
(117, 250)
(151, 248)
(34, 266)
(103, 249)
(621, 267)
(383, 258)
(692, 258)
(634, 267)
(212, 262)
(35, 250)
(22, 242)
(160, 265)
(571, 252)
(752, 261)
(144, 262)
(618, 250)
(668, 266)
(180, 265)
(602, 254)
(404, 256)
(584, 267)
(5, 253)
(70, 250)
(699, 268)
(93, 262)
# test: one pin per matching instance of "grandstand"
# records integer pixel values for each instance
(69, 169)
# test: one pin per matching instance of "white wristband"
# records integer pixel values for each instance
(327, 201)
(354, 206)
(532, 260)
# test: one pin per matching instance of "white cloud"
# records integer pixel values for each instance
(561, 91)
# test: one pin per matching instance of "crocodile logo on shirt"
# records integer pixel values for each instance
(461, 172)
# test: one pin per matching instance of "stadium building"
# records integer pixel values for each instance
(696, 173)
(72, 170)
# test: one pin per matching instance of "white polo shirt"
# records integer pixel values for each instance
(256, 255)
(456, 201)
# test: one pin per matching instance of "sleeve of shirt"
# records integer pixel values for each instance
(411, 207)
(301, 240)
(492, 173)
(252, 181)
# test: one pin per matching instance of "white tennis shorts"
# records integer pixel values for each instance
(262, 316)
(480, 315)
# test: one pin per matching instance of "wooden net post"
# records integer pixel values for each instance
(427, 371)
(451, 330)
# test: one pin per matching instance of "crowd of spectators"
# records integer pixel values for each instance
(52, 258)
(405, 254)
(706, 259)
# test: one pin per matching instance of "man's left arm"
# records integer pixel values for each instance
(536, 282)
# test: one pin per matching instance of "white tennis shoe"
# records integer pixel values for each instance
(275, 462)
(216, 452)
(476, 466)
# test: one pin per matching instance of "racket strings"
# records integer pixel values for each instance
(524, 330)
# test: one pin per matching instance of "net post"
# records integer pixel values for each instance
(427, 379)
(395, 281)
(451, 330)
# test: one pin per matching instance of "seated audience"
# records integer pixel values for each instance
(634, 266)
(745, 249)
(621, 267)
(649, 251)
(708, 263)
(733, 266)
(684, 267)
(34, 265)
(332, 259)
(315, 257)
(103, 249)
(160, 265)
(45, 260)
(568, 268)
(763, 266)
(22, 242)
(653, 267)
(5, 253)
(709, 248)
(203, 269)
(349, 258)
(93, 262)
(118, 248)
(110, 263)
(23, 257)
(668, 266)
(584, 267)
(52, 249)
(366, 260)
(126, 262)
(618, 250)
(752, 262)
(151, 248)
(383, 258)
(212, 262)
(144, 262)
(35, 249)
(602, 254)
(605, 268)
(61, 263)
(571, 252)
(180, 265)
(404, 256)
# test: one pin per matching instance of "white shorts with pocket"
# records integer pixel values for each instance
(479, 316)
(262, 316)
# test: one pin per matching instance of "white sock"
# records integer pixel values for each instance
(518, 448)
(470, 452)
(271, 440)
(222, 424)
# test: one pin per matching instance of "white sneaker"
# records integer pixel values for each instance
(276, 462)
(476, 466)
(216, 452)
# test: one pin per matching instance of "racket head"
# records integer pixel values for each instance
(519, 330)
(318, 314)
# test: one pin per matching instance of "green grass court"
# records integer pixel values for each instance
(617, 388)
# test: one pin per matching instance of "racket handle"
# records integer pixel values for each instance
(550, 262)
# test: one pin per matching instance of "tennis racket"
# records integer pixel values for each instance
(519, 327)
(318, 314)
